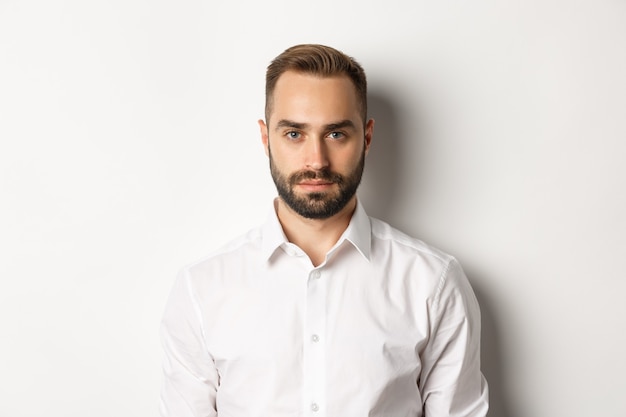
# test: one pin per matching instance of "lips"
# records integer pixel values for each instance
(315, 186)
(313, 183)
(315, 180)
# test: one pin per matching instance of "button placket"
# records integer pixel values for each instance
(313, 350)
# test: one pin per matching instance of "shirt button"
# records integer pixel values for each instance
(314, 407)
(315, 274)
(315, 338)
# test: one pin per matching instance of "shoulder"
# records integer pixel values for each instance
(430, 263)
(396, 240)
(238, 251)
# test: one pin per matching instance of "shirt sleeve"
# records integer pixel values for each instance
(190, 376)
(451, 382)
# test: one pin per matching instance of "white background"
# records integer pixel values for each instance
(129, 148)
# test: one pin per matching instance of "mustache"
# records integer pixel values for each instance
(323, 175)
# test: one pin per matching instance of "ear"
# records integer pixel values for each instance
(264, 136)
(369, 133)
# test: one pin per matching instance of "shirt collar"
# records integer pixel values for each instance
(272, 234)
(358, 233)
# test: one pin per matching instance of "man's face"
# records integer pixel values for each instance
(316, 143)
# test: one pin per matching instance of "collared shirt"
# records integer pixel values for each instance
(386, 326)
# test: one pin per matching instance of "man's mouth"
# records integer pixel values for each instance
(315, 185)
(316, 182)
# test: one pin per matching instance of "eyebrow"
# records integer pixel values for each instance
(331, 126)
(289, 123)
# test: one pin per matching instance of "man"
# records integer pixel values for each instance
(322, 311)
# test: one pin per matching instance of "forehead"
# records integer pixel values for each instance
(299, 95)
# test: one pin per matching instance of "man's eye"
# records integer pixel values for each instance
(293, 135)
(336, 135)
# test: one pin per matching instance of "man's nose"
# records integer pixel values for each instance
(317, 154)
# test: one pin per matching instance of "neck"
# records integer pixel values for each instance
(314, 236)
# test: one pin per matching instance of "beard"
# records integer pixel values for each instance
(317, 205)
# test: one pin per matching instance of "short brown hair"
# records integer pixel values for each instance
(319, 60)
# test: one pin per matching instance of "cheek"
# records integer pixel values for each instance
(284, 161)
(347, 159)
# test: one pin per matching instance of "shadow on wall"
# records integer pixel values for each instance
(491, 355)
(381, 196)
(379, 189)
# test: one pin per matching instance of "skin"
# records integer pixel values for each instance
(315, 125)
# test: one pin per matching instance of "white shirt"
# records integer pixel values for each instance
(385, 326)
